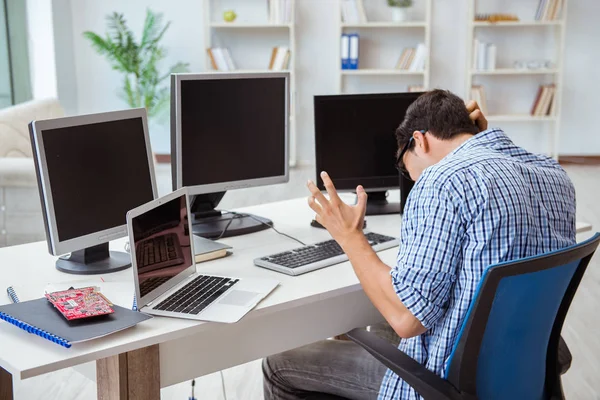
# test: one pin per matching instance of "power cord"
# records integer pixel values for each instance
(242, 215)
(193, 397)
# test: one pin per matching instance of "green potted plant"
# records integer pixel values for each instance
(144, 85)
(400, 9)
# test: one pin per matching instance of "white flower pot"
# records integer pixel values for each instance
(400, 14)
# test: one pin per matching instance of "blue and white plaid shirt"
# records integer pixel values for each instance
(486, 202)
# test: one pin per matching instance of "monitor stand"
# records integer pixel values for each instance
(211, 223)
(377, 204)
(94, 260)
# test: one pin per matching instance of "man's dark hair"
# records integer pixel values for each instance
(440, 112)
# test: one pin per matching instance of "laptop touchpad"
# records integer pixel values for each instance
(238, 298)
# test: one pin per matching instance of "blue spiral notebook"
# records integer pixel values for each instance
(39, 317)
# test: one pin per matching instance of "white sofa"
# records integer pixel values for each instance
(20, 211)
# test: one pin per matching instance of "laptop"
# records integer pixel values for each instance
(164, 268)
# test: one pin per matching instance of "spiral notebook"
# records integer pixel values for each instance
(39, 317)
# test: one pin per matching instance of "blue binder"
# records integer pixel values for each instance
(345, 51)
(354, 45)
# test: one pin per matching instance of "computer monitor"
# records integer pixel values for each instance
(355, 143)
(228, 131)
(91, 170)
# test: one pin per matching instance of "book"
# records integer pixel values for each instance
(206, 249)
(362, 15)
(218, 59)
(279, 61)
(537, 100)
(478, 94)
(475, 55)
(481, 56)
(552, 110)
(211, 56)
(40, 318)
(409, 59)
(351, 12)
(228, 60)
(415, 88)
(540, 10)
(402, 58)
(490, 59)
(418, 62)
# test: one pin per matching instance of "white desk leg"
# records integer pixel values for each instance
(6, 385)
(129, 376)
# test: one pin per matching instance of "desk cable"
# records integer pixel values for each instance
(242, 215)
(193, 397)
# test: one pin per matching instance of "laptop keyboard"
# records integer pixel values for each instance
(196, 295)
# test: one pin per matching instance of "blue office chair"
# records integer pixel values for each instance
(508, 345)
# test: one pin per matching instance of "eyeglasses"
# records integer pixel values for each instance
(399, 163)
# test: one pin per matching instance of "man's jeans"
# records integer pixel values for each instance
(337, 369)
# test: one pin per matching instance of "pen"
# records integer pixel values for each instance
(12, 294)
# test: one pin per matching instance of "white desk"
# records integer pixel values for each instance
(301, 310)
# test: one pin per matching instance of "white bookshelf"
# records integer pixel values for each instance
(379, 29)
(508, 81)
(508, 24)
(250, 39)
(519, 71)
(520, 118)
(376, 71)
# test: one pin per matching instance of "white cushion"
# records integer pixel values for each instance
(14, 131)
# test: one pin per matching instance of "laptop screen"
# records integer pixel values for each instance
(162, 244)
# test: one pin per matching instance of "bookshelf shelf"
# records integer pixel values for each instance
(411, 24)
(549, 78)
(244, 25)
(414, 33)
(375, 71)
(507, 24)
(510, 71)
(520, 118)
(240, 37)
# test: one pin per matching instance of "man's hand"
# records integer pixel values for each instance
(476, 115)
(343, 221)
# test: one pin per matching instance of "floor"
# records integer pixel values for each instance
(244, 382)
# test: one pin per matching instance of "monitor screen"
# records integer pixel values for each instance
(97, 173)
(162, 243)
(233, 129)
(355, 138)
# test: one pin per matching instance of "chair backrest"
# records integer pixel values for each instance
(507, 347)
(14, 130)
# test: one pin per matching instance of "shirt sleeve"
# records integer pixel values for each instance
(429, 254)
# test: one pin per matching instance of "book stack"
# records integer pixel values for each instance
(549, 10)
(496, 17)
(478, 94)
(484, 56)
(415, 88)
(544, 103)
(279, 11)
(220, 59)
(413, 59)
(349, 50)
(353, 11)
(280, 59)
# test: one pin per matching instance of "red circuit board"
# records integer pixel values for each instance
(80, 303)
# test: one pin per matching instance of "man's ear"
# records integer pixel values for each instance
(421, 141)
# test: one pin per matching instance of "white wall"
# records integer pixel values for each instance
(95, 85)
(40, 33)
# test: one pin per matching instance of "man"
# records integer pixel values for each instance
(478, 200)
